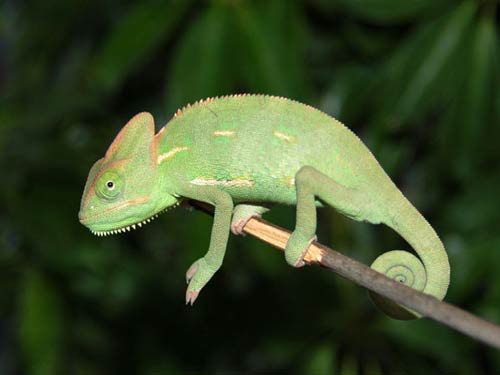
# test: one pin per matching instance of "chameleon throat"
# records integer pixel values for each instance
(139, 224)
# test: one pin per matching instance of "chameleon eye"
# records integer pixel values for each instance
(109, 185)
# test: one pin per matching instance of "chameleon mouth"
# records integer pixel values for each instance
(128, 228)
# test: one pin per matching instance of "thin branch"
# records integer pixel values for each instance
(426, 305)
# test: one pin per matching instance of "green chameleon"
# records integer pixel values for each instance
(242, 154)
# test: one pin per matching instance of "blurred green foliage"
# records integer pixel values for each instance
(417, 79)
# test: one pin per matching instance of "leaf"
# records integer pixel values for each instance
(392, 11)
(471, 221)
(254, 46)
(41, 332)
(471, 118)
(425, 337)
(348, 92)
(477, 257)
(415, 75)
(322, 361)
(471, 212)
(271, 37)
(367, 42)
(39, 34)
(134, 38)
(203, 61)
(349, 365)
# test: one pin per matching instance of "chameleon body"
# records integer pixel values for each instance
(242, 154)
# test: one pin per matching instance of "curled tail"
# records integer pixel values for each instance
(429, 274)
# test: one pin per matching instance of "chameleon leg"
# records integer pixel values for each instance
(201, 271)
(242, 213)
(311, 183)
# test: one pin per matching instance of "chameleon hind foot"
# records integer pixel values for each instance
(296, 248)
(197, 276)
(312, 185)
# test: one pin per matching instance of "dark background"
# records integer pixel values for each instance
(417, 80)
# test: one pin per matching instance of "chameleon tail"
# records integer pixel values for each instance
(429, 274)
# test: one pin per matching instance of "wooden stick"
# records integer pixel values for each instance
(426, 305)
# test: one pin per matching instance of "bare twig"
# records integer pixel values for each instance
(428, 306)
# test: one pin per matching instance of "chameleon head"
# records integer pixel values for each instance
(123, 189)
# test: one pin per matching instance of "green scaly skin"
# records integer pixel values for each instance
(242, 154)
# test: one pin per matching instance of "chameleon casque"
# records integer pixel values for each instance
(242, 154)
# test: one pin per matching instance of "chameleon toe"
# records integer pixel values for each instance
(191, 296)
(237, 228)
(191, 272)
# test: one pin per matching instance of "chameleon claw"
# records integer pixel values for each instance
(191, 296)
(300, 263)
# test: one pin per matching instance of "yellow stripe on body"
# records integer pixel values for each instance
(283, 136)
(227, 183)
(224, 133)
(170, 154)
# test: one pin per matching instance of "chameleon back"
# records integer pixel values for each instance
(253, 145)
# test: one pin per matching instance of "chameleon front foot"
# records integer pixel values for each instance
(242, 214)
(197, 276)
(296, 248)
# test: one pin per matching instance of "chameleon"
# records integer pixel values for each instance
(242, 154)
